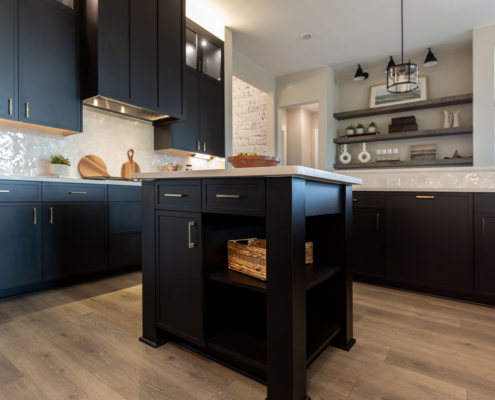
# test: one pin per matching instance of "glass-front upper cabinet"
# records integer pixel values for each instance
(204, 52)
(68, 3)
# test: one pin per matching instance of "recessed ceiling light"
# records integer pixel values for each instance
(307, 35)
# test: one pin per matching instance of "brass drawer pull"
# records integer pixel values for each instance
(78, 193)
(425, 197)
(27, 110)
(4, 191)
(175, 195)
(229, 196)
(191, 245)
(354, 199)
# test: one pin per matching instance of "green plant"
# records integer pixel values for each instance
(60, 160)
(351, 127)
(372, 125)
(360, 126)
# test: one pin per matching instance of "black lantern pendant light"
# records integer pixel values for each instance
(402, 78)
(430, 59)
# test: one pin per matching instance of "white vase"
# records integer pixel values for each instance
(371, 129)
(345, 157)
(457, 123)
(448, 119)
(359, 131)
(364, 156)
(59, 170)
(350, 132)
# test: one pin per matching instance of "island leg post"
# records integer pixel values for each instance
(152, 335)
(286, 289)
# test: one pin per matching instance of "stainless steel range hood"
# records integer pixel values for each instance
(121, 108)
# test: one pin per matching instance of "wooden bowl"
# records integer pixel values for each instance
(253, 161)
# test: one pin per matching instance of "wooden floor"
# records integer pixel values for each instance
(81, 343)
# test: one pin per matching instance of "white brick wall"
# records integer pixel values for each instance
(249, 118)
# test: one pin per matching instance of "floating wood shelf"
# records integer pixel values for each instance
(463, 130)
(403, 164)
(417, 105)
(315, 274)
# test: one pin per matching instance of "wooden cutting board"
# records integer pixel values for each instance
(92, 166)
(130, 167)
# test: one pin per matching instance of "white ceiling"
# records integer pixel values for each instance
(346, 32)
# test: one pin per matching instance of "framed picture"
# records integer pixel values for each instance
(423, 152)
(380, 97)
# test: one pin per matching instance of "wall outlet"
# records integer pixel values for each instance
(393, 181)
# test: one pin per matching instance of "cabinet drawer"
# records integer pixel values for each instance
(124, 193)
(19, 191)
(179, 195)
(368, 200)
(484, 203)
(240, 197)
(61, 192)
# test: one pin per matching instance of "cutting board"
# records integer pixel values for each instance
(130, 167)
(92, 166)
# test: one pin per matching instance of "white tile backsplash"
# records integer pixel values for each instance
(107, 135)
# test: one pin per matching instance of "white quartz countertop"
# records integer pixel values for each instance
(266, 172)
(61, 180)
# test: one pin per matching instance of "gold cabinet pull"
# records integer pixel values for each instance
(34, 219)
(425, 197)
(198, 145)
(191, 245)
(51, 215)
(204, 146)
(174, 195)
(27, 109)
(78, 193)
(229, 196)
(10, 106)
(354, 199)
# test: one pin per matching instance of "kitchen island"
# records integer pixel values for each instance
(270, 331)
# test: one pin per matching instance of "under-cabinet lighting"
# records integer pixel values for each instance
(122, 110)
(204, 43)
(95, 102)
(203, 156)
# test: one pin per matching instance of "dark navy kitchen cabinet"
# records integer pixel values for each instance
(8, 60)
(49, 71)
(212, 119)
(20, 244)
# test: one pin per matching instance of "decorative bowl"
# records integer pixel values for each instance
(253, 161)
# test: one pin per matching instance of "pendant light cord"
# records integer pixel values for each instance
(402, 27)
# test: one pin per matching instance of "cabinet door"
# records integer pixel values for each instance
(124, 228)
(144, 55)
(8, 60)
(20, 244)
(211, 58)
(212, 122)
(74, 239)
(180, 274)
(185, 135)
(368, 242)
(114, 50)
(485, 255)
(430, 240)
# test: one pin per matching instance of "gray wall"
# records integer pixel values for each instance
(452, 75)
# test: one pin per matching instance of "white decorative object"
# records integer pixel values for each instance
(457, 123)
(448, 119)
(59, 170)
(350, 132)
(371, 129)
(345, 157)
(364, 156)
(359, 131)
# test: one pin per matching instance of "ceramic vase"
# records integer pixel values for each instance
(448, 119)
(457, 123)
(359, 131)
(350, 132)
(371, 129)
(345, 157)
(59, 170)
(364, 156)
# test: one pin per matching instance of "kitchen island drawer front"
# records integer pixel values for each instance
(68, 193)
(484, 203)
(179, 195)
(368, 200)
(124, 193)
(240, 197)
(19, 191)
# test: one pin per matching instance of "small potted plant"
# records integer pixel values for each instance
(59, 166)
(360, 129)
(350, 130)
(372, 128)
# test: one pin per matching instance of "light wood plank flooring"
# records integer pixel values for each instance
(81, 342)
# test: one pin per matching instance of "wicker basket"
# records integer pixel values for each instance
(248, 256)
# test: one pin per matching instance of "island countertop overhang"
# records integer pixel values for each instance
(267, 172)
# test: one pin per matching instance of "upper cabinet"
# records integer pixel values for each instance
(203, 131)
(134, 57)
(40, 64)
(204, 52)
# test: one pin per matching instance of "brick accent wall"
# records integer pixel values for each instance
(249, 118)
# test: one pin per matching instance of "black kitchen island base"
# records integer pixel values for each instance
(269, 331)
